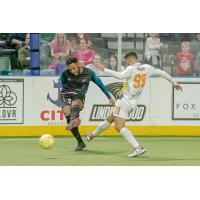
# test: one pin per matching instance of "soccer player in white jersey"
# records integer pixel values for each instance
(136, 76)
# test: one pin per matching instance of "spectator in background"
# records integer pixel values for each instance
(94, 67)
(85, 55)
(17, 39)
(54, 63)
(90, 44)
(57, 66)
(3, 44)
(152, 55)
(76, 41)
(24, 54)
(113, 63)
(184, 61)
(197, 64)
(195, 46)
(179, 37)
(60, 46)
(24, 59)
(176, 39)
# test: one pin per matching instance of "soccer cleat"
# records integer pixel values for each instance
(80, 146)
(74, 123)
(89, 136)
(137, 152)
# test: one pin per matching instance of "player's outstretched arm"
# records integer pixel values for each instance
(119, 75)
(157, 72)
(162, 74)
(178, 87)
(99, 83)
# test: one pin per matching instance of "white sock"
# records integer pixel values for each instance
(102, 127)
(129, 137)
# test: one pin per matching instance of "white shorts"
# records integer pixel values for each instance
(123, 108)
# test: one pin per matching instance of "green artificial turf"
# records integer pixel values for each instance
(102, 151)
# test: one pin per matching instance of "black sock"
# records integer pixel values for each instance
(76, 134)
(74, 112)
(68, 118)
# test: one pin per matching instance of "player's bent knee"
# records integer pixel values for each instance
(66, 110)
(118, 127)
(77, 102)
(110, 118)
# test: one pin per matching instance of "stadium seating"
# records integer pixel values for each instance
(12, 72)
(12, 55)
(45, 56)
(112, 35)
(5, 63)
(104, 43)
(19, 67)
(100, 43)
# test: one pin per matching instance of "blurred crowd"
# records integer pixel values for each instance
(183, 51)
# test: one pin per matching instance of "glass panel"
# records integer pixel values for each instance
(8, 54)
(102, 45)
(133, 42)
(163, 51)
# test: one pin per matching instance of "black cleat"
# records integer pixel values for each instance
(80, 146)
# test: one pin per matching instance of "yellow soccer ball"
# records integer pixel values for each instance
(46, 141)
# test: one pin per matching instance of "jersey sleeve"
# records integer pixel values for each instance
(120, 75)
(157, 72)
(98, 82)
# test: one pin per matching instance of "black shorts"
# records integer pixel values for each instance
(67, 99)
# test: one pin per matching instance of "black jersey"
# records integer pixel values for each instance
(78, 84)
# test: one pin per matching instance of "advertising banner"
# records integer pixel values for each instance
(47, 110)
(31, 105)
(11, 101)
(186, 104)
(97, 104)
(46, 101)
(15, 101)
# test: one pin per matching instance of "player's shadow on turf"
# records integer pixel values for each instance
(101, 152)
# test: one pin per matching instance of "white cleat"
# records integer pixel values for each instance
(89, 136)
(137, 152)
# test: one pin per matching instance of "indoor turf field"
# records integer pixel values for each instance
(102, 151)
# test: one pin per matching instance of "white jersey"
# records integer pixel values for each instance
(136, 78)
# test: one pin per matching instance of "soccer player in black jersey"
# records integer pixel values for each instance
(75, 82)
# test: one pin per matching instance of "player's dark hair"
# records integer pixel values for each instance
(71, 59)
(131, 54)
